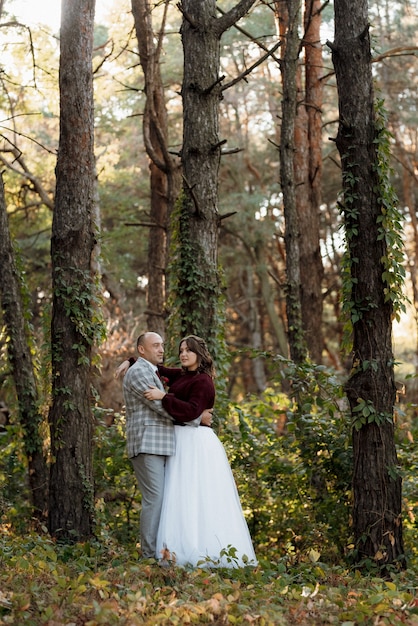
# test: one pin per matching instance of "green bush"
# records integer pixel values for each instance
(292, 462)
(15, 509)
(117, 497)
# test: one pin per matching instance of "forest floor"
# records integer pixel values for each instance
(46, 584)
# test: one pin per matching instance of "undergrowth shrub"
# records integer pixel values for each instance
(15, 508)
(406, 420)
(290, 451)
(116, 495)
(292, 461)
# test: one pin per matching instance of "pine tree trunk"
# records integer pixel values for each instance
(311, 268)
(201, 155)
(288, 13)
(377, 521)
(201, 33)
(20, 358)
(165, 181)
(72, 330)
(300, 175)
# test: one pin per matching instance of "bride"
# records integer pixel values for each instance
(201, 522)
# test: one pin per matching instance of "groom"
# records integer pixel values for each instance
(149, 435)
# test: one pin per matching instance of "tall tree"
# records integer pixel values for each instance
(22, 368)
(300, 173)
(198, 282)
(73, 317)
(309, 180)
(288, 13)
(371, 280)
(165, 180)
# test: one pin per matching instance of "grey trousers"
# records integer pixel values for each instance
(149, 471)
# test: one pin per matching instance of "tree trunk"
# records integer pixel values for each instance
(409, 183)
(257, 383)
(311, 268)
(377, 521)
(157, 251)
(165, 182)
(198, 279)
(20, 358)
(300, 172)
(288, 13)
(267, 293)
(73, 316)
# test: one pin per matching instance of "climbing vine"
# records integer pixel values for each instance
(82, 304)
(389, 231)
(390, 220)
(196, 290)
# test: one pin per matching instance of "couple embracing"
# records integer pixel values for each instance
(190, 505)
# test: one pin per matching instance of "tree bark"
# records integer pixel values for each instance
(165, 180)
(73, 239)
(308, 193)
(377, 522)
(201, 33)
(22, 370)
(288, 13)
(300, 173)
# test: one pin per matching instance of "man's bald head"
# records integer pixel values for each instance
(150, 346)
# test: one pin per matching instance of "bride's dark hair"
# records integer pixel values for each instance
(198, 346)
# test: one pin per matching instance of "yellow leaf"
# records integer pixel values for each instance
(233, 597)
(99, 583)
(315, 591)
(314, 556)
(390, 586)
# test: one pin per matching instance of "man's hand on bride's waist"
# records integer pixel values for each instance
(206, 417)
(153, 393)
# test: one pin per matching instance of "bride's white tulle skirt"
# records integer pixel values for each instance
(201, 513)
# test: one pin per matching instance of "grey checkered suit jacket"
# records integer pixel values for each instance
(149, 428)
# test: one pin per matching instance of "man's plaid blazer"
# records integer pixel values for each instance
(149, 428)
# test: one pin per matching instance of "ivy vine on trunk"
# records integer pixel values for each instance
(373, 277)
(75, 321)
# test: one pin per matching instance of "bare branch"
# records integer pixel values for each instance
(395, 52)
(252, 67)
(144, 224)
(185, 15)
(218, 145)
(231, 151)
(257, 42)
(15, 24)
(105, 57)
(224, 216)
(236, 13)
(276, 145)
(190, 189)
(38, 143)
(209, 89)
(161, 33)
(25, 173)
